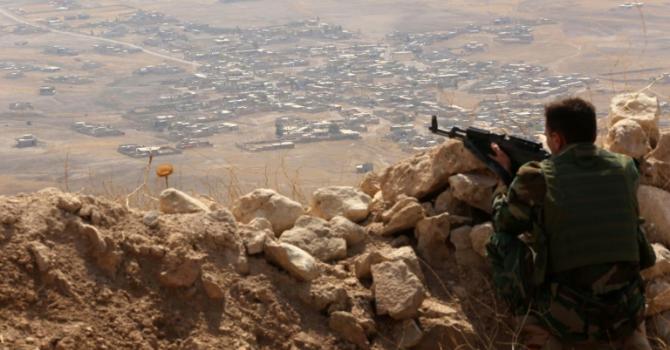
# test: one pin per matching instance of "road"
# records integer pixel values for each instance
(18, 19)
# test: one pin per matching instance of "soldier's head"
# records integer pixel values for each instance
(568, 121)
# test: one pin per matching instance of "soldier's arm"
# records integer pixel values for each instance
(513, 208)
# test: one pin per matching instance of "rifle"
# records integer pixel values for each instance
(478, 141)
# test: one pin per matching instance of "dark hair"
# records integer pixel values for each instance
(573, 118)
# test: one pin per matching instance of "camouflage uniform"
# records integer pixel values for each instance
(600, 302)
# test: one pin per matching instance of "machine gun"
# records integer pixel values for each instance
(478, 141)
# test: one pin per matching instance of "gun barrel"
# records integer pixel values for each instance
(455, 132)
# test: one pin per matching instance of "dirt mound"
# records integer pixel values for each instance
(78, 272)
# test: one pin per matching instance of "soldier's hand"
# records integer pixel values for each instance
(501, 157)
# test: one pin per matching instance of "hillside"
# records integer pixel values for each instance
(398, 262)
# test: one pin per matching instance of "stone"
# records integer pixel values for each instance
(431, 234)
(347, 327)
(260, 224)
(444, 328)
(655, 168)
(627, 137)
(662, 265)
(325, 296)
(347, 201)
(296, 261)
(254, 241)
(223, 215)
(655, 210)
(431, 308)
(347, 229)
(370, 184)
(480, 237)
(474, 189)
(428, 171)
(151, 219)
(401, 202)
(402, 216)
(443, 202)
(446, 202)
(400, 241)
(314, 235)
(398, 292)
(656, 287)
(183, 274)
(95, 238)
(68, 203)
(408, 334)
(173, 201)
(471, 259)
(460, 238)
(280, 211)
(377, 207)
(212, 287)
(659, 303)
(42, 255)
(363, 263)
(638, 107)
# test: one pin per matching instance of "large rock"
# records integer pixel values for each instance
(446, 202)
(639, 107)
(173, 201)
(480, 236)
(627, 137)
(464, 241)
(347, 201)
(427, 172)
(662, 265)
(370, 184)
(363, 263)
(292, 259)
(314, 235)
(68, 203)
(347, 229)
(402, 216)
(655, 168)
(460, 238)
(431, 234)
(345, 325)
(398, 292)
(655, 208)
(474, 189)
(281, 211)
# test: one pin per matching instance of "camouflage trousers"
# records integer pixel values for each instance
(568, 315)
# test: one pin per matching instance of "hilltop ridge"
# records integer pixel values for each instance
(396, 262)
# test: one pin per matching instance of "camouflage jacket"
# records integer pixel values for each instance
(519, 210)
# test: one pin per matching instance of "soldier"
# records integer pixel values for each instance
(568, 246)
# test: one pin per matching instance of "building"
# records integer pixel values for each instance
(27, 140)
(47, 90)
